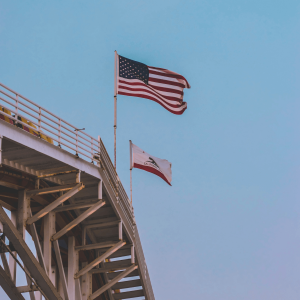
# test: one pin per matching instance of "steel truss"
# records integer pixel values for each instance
(58, 282)
(77, 213)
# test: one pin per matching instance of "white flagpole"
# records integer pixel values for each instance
(130, 151)
(115, 112)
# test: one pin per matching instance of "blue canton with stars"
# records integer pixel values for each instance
(131, 69)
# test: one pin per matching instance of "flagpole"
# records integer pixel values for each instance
(130, 151)
(115, 112)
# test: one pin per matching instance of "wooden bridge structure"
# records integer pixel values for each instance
(58, 184)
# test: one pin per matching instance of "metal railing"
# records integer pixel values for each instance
(48, 124)
(117, 186)
(26, 114)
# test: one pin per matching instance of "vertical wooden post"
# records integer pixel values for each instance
(23, 214)
(71, 266)
(132, 255)
(100, 190)
(85, 283)
(78, 175)
(49, 230)
(12, 263)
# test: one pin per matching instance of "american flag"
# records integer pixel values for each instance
(160, 85)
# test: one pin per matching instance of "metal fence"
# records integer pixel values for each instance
(36, 119)
(27, 115)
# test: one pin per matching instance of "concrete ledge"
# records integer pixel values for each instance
(26, 139)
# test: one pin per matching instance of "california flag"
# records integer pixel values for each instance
(152, 164)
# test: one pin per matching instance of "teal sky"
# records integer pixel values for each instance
(229, 227)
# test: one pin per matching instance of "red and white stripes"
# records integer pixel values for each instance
(164, 87)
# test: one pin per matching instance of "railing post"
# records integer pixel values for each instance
(16, 108)
(92, 148)
(39, 121)
(59, 133)
(99, 149)
(77, 142)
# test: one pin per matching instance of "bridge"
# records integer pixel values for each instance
(58, 184)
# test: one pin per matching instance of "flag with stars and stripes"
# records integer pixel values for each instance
(160, 85)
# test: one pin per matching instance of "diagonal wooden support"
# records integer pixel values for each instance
(78, 289)
(113, 282)
(50, 190)
(57, 174)
(55, 203)
(49, 230)
(100, 258)
(23, 213)
(27, 289)
(37, 245)
(4, 260)
(9, 287)
(73, 206)
(79, 219)
(61, 270)
(11, 262)
(5, 264)
(28, 258)
(1, 137)
(96, 246)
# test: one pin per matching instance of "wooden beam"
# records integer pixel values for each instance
(49, 229)
(9, 193)
(112, 275)
(22, 215)
(100, 258)
(8, 203)
(132, 254)
(71, 267)
(27, 289)
(120, 231)
(96, 246)
(112, 282)
(131, 294)
(57, 173)
(37, 244)
(28, 258)
(4, 259)
(86, 281)
(73, 206)
(9, 287)
(11, 260)
(127, 284)
(50, 190)
(112, 266)
(78, 289)
(23, 212)
(75, 189)
(1, 137)
(61, 270)
(101, 225)
(79, 219)
(24, 169)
